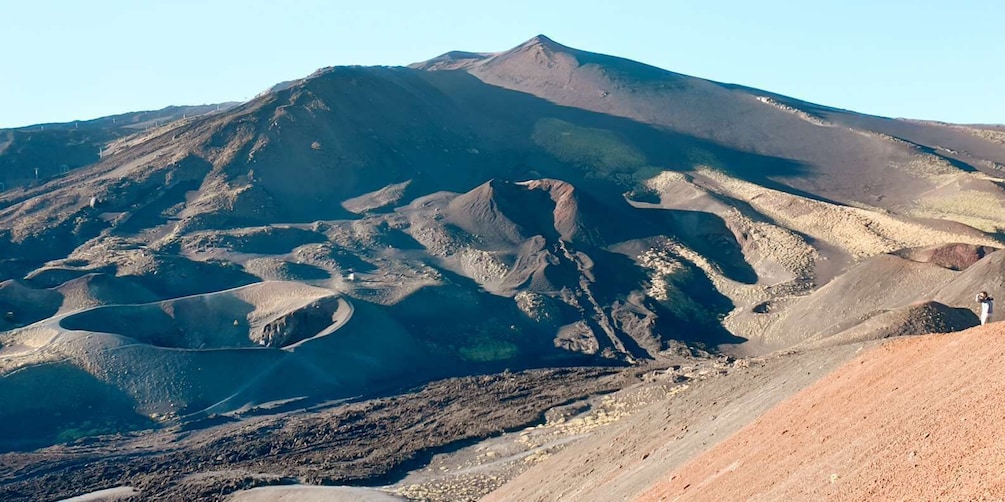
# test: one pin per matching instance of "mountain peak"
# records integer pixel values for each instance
(543, 41)
(463, 60)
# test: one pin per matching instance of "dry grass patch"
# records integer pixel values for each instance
(860, 232)
(981, 210)
(764, 241)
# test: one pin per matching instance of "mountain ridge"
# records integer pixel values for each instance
(371, 229)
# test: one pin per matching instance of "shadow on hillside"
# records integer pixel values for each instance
(511, 116)
(30, 422)
(708, 235)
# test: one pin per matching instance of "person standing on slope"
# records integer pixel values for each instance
(987, 306)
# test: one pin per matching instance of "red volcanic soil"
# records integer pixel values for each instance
(913, 419)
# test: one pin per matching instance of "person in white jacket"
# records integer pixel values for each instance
(987, 306)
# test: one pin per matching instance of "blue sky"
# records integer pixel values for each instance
(62, 60)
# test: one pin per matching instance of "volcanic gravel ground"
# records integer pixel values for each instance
(371, 441)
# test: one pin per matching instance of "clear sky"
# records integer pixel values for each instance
(62, 60)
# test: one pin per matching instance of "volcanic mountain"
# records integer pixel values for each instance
(364, 230)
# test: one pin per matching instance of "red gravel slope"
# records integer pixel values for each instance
(913, 419)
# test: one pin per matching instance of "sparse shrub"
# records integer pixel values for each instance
(487, 349)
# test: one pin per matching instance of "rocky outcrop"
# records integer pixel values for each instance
(298, 325)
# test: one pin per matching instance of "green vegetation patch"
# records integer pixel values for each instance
(980, 210)
(604, 154)
(486, 349)
(55, 403)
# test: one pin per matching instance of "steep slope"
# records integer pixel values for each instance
(839, 423)
(987, 274)
(55, 149)
(660, 424)
(877, 428)
(834, 154)
(513, 212)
